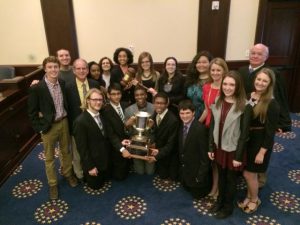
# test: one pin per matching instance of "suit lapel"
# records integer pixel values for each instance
(46, 90)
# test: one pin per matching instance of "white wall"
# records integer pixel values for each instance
(162, 27)
(241, 30)
(22, 38)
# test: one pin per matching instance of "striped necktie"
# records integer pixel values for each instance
(121, 114)
(99, 123)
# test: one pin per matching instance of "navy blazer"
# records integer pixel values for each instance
(41, 109)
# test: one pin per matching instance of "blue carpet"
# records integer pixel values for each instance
(147, 199)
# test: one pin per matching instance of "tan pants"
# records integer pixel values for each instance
(59, 132)
(76, 160)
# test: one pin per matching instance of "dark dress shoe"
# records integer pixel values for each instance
(223, 213)
(215, 208)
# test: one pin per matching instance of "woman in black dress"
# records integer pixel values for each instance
(171, 82)
(147, 75)
(123, 58)
(261, 136)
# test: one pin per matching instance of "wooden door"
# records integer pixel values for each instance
(278, 26)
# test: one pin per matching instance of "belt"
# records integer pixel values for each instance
(59, 119)
(256, 128)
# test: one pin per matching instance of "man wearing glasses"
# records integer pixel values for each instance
(91, 137)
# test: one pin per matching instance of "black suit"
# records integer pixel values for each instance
(194, 162)
(41, 109)
(117, 133)
(74, 102)
(280, 93)
(165, 139)
(93, 148)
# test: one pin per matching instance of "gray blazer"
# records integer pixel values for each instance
(231, 130)
(235, 132)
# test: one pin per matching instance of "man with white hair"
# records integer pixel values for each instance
(259, 53)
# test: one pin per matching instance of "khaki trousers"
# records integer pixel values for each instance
(76, 160)
(59, 132)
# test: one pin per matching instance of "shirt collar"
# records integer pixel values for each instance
(162, 115)
(250, 67)
(49, 83)
(92, 114)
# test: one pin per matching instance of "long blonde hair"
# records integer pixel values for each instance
(260, 110)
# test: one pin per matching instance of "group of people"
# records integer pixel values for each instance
(208, 125)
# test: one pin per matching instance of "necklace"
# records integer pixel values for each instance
(147, 77)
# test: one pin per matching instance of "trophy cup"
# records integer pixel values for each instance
(139, 146)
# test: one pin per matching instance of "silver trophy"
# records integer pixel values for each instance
(140, 141)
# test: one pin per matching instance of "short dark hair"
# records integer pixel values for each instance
(50, 59)
(128, 53)
(161, 95)
(139, 87)
(114, 86)
(186, 104)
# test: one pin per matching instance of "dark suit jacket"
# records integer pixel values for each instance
(73, 99)
(92, 145)
(41, 109)
(280, 93)
(193, 157)
(165, 135)
(116, 127)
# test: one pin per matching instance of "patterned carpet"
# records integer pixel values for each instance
(147, 199)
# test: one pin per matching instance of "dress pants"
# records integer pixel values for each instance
(59, 132)
(76, 160)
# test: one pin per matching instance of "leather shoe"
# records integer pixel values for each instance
(215, 208)
(73, 182)
(223, 213)
(53, 192)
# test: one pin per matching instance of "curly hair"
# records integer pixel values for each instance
(128, 53)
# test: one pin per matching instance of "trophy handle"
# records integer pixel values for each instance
(149, 124)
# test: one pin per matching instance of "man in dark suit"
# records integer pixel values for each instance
(165, 154)
(47, 110)
(76, 90)
(114, 115)
(194, 170)
(258, 55)
(91, 136)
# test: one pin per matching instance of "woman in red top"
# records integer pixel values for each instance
(211, 90)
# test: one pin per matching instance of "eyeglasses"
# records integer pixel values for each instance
(96, 99)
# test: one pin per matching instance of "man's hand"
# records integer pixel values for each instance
(126, 142)
(93, 172)
(126, 154)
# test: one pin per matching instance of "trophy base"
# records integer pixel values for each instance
(139, 147)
